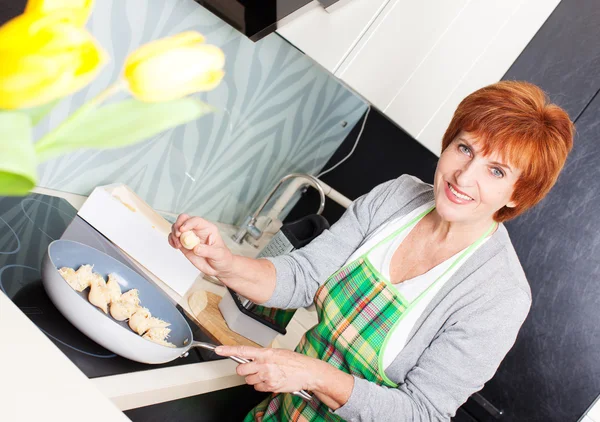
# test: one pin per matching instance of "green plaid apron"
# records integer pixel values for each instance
(358, 309)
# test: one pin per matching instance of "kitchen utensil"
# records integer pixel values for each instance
(102, 328)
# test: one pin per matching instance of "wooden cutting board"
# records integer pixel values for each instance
(205, 309)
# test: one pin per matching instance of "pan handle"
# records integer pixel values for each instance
(302, 394)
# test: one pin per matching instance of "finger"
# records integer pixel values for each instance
(175, 233)
(180, 220)
(247, 369)
(199, 262)
(253, 379)
(241, 351)
(175, 240)
(202, 254)
(208, 252)
(196, 223)
(205, 230)
(261, 387)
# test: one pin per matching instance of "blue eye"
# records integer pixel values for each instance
(499, 173)
(464, 148)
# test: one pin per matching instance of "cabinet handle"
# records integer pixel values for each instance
(486, 405)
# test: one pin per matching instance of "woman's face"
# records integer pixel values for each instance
(469, 186)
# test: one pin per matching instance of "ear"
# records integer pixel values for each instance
(511, 204)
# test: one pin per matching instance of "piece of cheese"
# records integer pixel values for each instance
(189, 240)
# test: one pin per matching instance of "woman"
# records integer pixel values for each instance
(418, 289)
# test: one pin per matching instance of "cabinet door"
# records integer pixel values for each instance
(327, 37)
(487, 68)
(419, 59)
(401, 38)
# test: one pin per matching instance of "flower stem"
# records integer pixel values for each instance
(44, 145)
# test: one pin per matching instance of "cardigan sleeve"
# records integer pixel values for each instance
(301, 273)
(458, 362)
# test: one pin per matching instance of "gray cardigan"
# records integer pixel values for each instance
(460, 339)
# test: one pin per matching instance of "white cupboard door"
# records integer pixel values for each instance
(477, 34)
(463, 43)
(401, 38)
(489, 67)
(328, 38)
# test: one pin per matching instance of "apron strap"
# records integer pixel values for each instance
(400, 230)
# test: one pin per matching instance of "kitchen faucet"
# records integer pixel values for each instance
(249, 227)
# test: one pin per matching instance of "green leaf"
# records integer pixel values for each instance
(120, 124)
(17, 156)
(37, 113)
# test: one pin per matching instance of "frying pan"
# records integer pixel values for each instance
(102, 328)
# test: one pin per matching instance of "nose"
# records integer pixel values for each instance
(465, 175)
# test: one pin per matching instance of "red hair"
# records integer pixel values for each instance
(517, 121)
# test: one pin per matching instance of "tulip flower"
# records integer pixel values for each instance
(81, 8)
(173, 67)
(45, 57)
(46, 54)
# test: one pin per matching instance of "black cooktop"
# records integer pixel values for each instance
(27, 226)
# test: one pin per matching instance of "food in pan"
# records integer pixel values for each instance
(149, 327)
(112, 285)
(123, 306)
(159, 335)
(80, 279)
(122, 309)
(126, 305)
(137, 321)
(189, 240)
(131, 296)
(70, 276)
(99, 295)
(142, 321)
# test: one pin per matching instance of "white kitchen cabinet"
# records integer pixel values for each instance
(328, 38)
(415, 60)
(403, 36)
(488, 67)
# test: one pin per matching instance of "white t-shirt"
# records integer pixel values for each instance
(412, 288)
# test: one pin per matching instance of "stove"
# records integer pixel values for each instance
(27, 226)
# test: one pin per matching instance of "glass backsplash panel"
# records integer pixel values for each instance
(279, 113)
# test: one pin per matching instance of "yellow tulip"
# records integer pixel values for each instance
(45, 57)
(81, 8)
(174, 67)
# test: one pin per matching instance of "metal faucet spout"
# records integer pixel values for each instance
(249, 224)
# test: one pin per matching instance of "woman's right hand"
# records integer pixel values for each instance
(211, 255)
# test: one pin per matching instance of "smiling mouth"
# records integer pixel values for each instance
(458, 194)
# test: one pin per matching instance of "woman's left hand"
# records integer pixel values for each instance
(276, 370)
